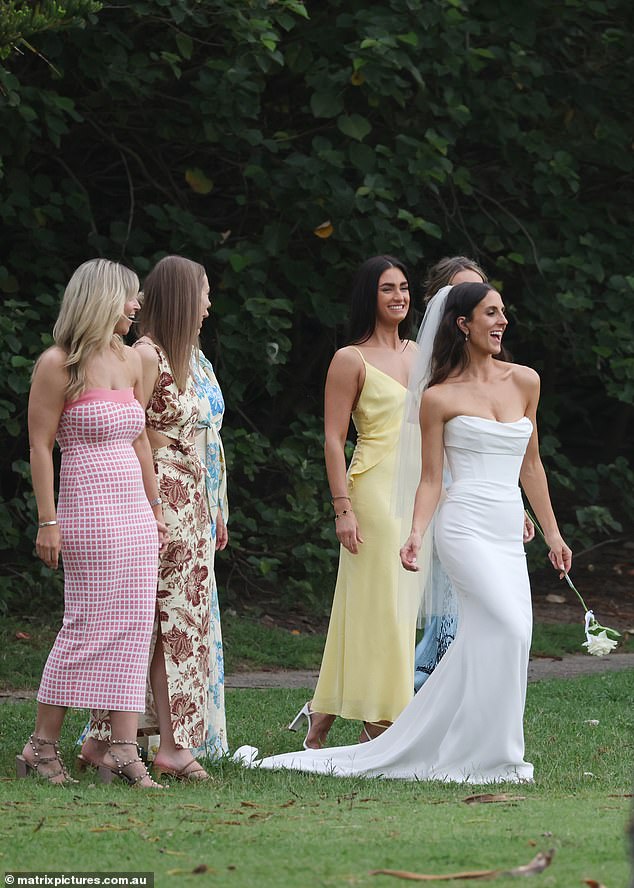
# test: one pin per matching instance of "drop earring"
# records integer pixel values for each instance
(466, 337)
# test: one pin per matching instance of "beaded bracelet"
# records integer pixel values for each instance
(344, 512)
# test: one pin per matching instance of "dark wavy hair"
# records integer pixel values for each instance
(365, 287)
(450, 353)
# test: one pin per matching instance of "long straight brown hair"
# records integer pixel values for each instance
(170, 314)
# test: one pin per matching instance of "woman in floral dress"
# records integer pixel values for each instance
(175, 303)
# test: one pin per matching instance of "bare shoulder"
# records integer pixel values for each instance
(51, 367)
(346, 361)
(435, 400)
(410, 347)
(146, 352)
(52, 359)
(525, 377)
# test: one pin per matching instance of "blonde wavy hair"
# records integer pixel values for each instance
(93, 302)
(170, 313)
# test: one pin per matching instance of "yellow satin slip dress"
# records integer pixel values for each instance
(367, 671)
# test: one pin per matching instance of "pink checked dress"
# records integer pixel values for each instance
(110, 555)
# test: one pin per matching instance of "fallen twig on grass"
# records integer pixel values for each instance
(537, 865)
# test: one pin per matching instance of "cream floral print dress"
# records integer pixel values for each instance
(184, 577)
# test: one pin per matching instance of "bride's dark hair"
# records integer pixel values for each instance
(449, 353)
(365, 287)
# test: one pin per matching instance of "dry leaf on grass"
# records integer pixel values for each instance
(593, 883)
(537, 865)
(201, 868)
(488, 797)
(109, 828)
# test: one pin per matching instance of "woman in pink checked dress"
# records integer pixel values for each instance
(85, 393)
(175, 303)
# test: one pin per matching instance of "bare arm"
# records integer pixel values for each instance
(432, 423)
(149, 372)
(142, 447)
(222, 534)
(343, 386)
(533, 480)
(46, 403)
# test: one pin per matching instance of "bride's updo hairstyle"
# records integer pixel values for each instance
(443, 272)
(365, 289)
(450, 353)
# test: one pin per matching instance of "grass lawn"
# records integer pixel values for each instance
(265, 829)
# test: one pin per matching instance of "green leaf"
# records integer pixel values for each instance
(185, 45)
(326, 104)
(355, 126)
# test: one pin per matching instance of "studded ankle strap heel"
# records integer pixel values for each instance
(56, 775)
(126, 769)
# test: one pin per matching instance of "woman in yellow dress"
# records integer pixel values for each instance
(367, 669)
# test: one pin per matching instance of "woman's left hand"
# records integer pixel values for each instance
(529, 529)
(409, 551)
(161, 526)
(560, 555)
(222, 534)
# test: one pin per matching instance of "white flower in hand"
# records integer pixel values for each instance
(600, 644)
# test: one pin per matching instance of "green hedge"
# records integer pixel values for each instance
(280, 143)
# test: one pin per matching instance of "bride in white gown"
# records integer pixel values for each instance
(478, 410)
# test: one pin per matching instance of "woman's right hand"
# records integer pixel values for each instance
(409, 551)
(348, 532)
(48, 544)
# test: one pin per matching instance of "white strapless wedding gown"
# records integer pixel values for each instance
(466, 722)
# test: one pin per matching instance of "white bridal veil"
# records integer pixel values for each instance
(431, 594)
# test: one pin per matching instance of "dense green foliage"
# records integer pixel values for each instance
(280, 143)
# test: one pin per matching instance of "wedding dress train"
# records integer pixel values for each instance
(466, 722)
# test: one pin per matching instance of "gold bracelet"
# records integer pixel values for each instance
(341, 514)
(333, 498)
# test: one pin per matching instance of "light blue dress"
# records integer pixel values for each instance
(440, 629)
(438, 634)
(209, 446)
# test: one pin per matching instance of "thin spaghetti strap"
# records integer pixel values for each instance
(359, 352)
